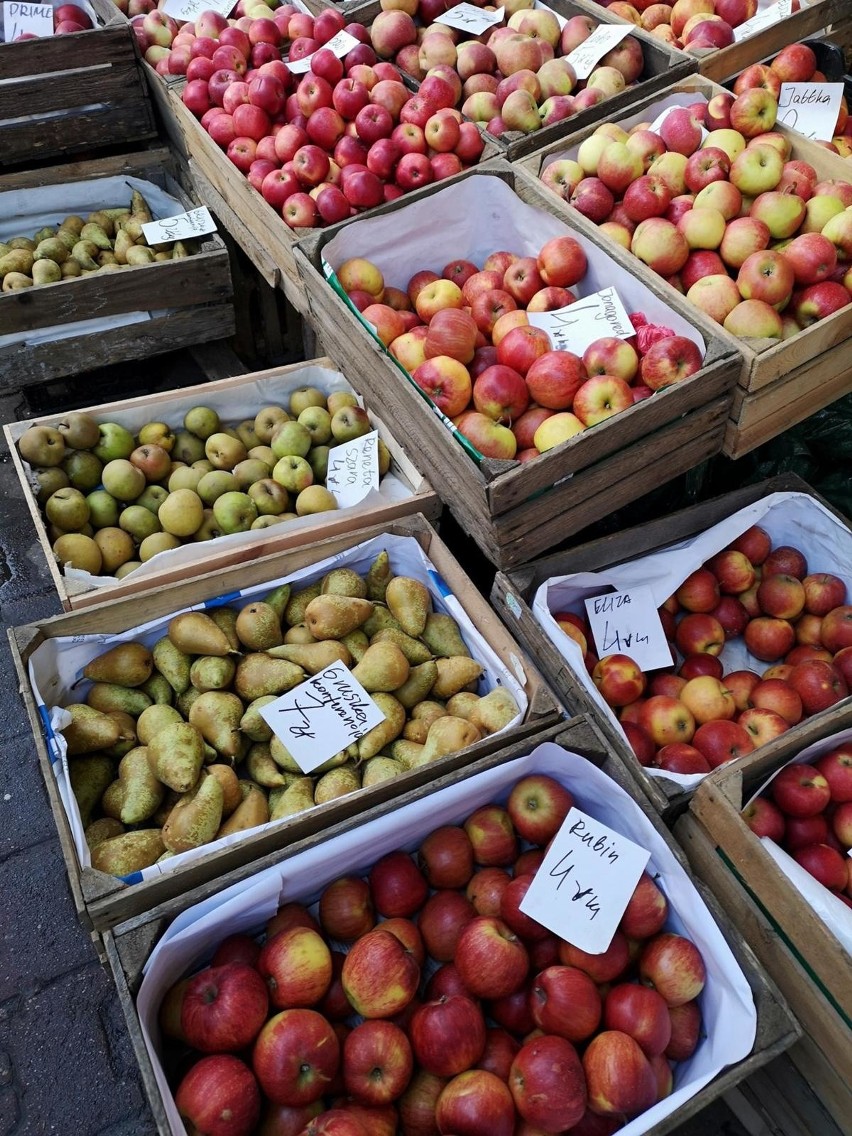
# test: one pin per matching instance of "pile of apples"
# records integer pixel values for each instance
(67, 18)
(753, 238)
(807, 809)
(797, 63)
(472, 1016)
(692, 25)
(465, 338)
(346, 136)
(697, 715)
(516, 76)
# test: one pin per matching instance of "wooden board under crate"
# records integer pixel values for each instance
(62, 94)
(102, 900)
(191, 297)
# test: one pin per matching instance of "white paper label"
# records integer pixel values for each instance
(764, 19)
(31, 19)
(661, 118)
(627, 623)
(322, 716)
(353, 469)
(341, 45)
(190, 10)
(585, 882)
(469, 18)
(810, 108)
(195, 223)
(594, 317)
(603, 39)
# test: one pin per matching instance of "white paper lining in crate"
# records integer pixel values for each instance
(233, 403)
(726, 1003)
(834, 913)
(430, 232)
(57, 664)
(25, 211)
(789, 518)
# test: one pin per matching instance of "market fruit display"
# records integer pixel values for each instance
(67, 19)
(112, 499)
(700, 713)
(167, 748)
(427, 1001)
(517, 76)
(751, 236)
(105, 240)
(466, 340)
(807, 809)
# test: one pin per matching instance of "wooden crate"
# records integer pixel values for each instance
(780, 383)
(103, 900)
(128, 946)
(514, 592)
(798, 949)
(192, 297)
(273, 385)
(61, 96)
(812, 17)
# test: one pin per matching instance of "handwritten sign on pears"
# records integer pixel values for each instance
(603, 39)
(26, 19)
(627, 623)
(810, 108)
(764, 19)
(469, 18)
(340, 45)
(194, 223)
(322, 716)
(585, 882)
(581, 323)
(353, 469)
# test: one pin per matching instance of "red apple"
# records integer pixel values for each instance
(800, 790)
(377, 1062)
(219, 1094)
(379, 975)
(448, 1035)
(490, 958)
(473, 1102)
(548, 1084)
(537, 806)
(296, 1056)
(619, 1077)
(224, 1008)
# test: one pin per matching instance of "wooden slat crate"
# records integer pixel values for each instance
(510, 508)
(61, 95)
(273, 386)
(128, 946)
(803, 955)
(780, 383)
(514, 592)
(102, 900)
(192, 297)
(812, 17)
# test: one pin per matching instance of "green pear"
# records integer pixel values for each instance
(172, 663)
(128, 664)
(383, 667)
(408, 754)
(454, 674)
(378, 577)
(185, 701)
(158, 688)
(409, 602)
(127, 738)
(295, 798)
(313, 657)
(89, 730)
(102, 829)
(332, 616)
(375, 740)
(442, 636)
(231, 793)
(142, 792)
(420, 681)
(252, 811)
(258, 626)
(414, 650)
(251, 723)
(449, 735)
(379, 769)
(212, 672)
(216, 715)
(282, 756)
(337, 783)
(294, 611)
(195, 633)
(463, 704)
(196, 818)
(356, 643)
(260, 673)
(381, 620)
(494, 711)
(343, 582)
(176, 754)
(107, 696)
(262, 769)
(278, 599)
(155, 718)
(90, 776)
(131, 852)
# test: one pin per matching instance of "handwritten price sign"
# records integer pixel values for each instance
(195, 223)
(190, 10)
(603, 39)
(353, 469)
(627, 623)
(585, 882)
(469, 18)
(322, 716)
(810, 108)
(573, 328)
(341, 45)
(764, 19)
(26, 19)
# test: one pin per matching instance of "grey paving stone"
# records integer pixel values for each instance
(25, 817)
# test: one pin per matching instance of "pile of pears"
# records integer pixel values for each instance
(105, 240)
(168, 750)
(112, 499)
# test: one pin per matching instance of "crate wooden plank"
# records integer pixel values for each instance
(102, 900)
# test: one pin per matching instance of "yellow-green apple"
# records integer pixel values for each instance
(562, 262)
(833, 187)
(660, 245)
(296, 965)
(600, 397)
(726, 139)
(593, 199)
(563, 176)
(296, 1056)
(838, 229)
(409, 348)
(666, 720)
(619, 1078)
(446, 381)
(743, 237)
(647, 145)
(766, 276)
(707, 699)
(819, 210)
(754, 111)
(608, 80)
(782, 213)
(590, 150)
(437, 294)
(486, 308)
(756, 170)
(646, 196)
(681, 131)
(219, 1094)
(619, 679)
(611, 356)
(613, 131)
(360, 274)
(669, 361)
(500, 393)
(558, 428)
(703, 228)
(617, 232)
(819, 301)
(554, 378)
(452, 332)
(379, 975)
(506, 323)
(754, 319)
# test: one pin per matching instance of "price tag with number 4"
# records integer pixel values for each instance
(627, 623)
